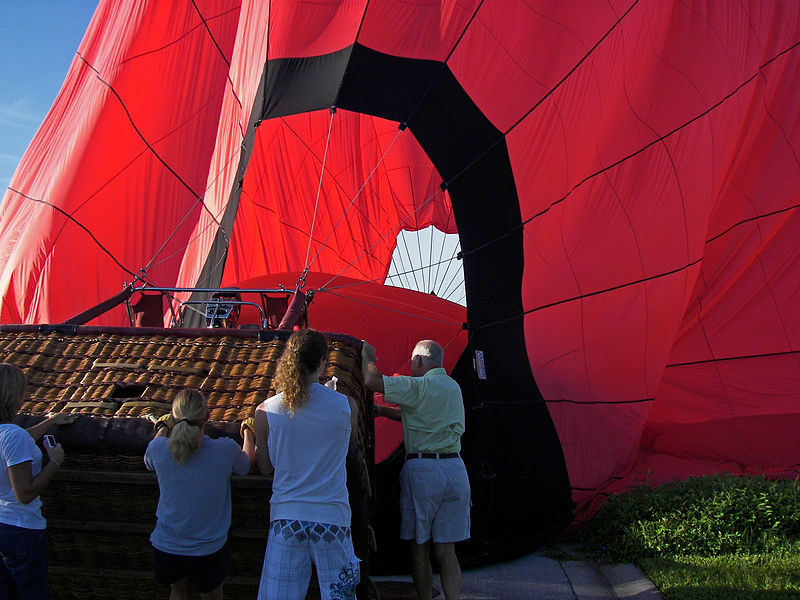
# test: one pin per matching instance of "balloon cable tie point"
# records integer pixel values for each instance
(333, 109)
(402, 126)
(460, 255)
(443, 186)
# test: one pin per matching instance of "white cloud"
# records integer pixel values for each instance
(20, 115)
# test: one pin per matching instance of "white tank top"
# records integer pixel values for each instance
(308, 451)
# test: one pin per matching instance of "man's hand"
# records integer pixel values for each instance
(368, 352)
(373, 379)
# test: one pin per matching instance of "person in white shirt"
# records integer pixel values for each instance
(302, 434)
(23, 539)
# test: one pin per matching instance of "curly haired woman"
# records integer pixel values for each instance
(303, 433)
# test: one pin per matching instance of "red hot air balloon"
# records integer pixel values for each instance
(623, 177)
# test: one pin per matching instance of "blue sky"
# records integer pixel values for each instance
(38, 40)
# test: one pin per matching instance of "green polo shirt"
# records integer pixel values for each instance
(432, 410)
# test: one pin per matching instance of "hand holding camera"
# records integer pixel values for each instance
(54, 450)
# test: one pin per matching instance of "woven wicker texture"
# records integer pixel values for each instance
(101, 508)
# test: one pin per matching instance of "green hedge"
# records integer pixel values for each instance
(701, 516)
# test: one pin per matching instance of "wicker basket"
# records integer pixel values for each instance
(101, 507)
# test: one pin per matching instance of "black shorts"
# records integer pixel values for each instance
(205, 573)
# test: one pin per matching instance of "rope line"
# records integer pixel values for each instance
(224, 58)
(234, 153)
(578, 402)
(319, 188)
(403, 281)
(441, 250)
(400, 274)
(376, 280)
(332, 176)
(419, 253)
(452, 339)
(396, 229)
(410, 260)
(211, 35)
(590, 294)
(144, 140)
(633, 154)
(355, 197)
(731, 358)
(445, 291)
(174, 40)
(79, 224)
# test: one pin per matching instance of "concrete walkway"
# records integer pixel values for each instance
(536, 577)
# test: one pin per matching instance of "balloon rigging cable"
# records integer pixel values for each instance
(355, 197)
(319, 190)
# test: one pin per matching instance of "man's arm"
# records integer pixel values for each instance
(390, 412)
(373, 379)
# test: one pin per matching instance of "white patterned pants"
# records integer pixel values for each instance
(293, 546)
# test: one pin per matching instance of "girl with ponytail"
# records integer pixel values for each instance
(190, 540)
(303, 434)
(190, 415)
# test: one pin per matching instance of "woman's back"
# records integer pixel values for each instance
(194, 506)
(308, 451)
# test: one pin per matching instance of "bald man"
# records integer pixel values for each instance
(435, 492)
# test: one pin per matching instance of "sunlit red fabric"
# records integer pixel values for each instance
(654, 148)
(377, 181)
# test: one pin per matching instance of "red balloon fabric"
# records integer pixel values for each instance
(623, 176)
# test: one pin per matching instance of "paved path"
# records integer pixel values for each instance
(536, 577)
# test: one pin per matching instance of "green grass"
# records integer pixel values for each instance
(717, 537)
(730, 577)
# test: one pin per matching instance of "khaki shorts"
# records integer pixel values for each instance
(434, 500)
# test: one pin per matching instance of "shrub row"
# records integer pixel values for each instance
(701, 516)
